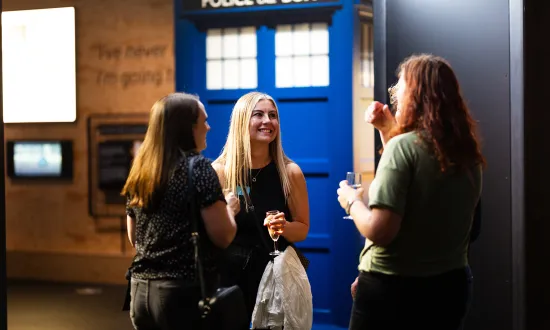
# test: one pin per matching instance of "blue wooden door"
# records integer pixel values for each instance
(306, 66)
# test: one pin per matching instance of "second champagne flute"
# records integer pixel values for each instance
(274, 234)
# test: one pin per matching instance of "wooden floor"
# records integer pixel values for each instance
(52, 306)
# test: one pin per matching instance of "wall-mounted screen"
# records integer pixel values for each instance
(114, 162)
(40, 159)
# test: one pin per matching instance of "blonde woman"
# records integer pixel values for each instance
(254, 166)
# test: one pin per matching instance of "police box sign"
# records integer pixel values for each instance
(189, 5)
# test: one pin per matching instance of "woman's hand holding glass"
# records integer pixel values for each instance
(276, 222)
(347, 194)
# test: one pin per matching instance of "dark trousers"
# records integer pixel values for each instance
(165, 305)
(470, 295)
(396, 302)
(245, 269)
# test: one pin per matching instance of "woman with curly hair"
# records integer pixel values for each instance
(418, 214)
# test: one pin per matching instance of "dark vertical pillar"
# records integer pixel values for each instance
(517, 175)
(3, 284)
(380, 66)
(536, 160)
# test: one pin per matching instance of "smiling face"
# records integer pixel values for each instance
(264, 123)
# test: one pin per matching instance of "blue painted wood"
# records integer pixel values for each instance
(345, 240)
(327, 327)
(316, 126)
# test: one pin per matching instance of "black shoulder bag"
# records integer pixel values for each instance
(225, 309)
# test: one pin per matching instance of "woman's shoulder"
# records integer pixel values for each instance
(410, 139)
(199, 158)
(404, 145)
(218, 166)
(193, 155)
(200, 163)
(293, 169)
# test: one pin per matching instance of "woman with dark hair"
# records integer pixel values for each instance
(418, 214)
(164, 293)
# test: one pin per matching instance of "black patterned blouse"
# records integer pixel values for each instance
(163, 246)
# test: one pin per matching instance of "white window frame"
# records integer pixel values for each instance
(302, 55)
(231, 58)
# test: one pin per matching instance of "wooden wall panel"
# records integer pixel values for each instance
(125, 62)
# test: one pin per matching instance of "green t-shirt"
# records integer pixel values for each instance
(437, 211)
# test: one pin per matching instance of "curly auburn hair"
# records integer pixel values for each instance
(433, 106)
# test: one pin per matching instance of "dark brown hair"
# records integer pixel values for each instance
(170, 132)
(433, 106)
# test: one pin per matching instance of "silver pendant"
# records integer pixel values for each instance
(253, 179)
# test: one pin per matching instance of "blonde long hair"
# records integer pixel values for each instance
(236, 156)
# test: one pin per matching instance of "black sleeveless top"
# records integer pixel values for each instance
(266, 194)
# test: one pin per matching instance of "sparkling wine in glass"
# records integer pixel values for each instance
(354, 180)
(274, 234)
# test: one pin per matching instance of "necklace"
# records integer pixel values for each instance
(254, 177)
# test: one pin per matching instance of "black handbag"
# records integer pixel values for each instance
(225, 308)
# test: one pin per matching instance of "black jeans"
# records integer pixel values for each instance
(245, 268)
(396, 302)
(470, 295)
(165, 305)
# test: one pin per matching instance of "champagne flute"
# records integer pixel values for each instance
(354, 180)
(274, 234)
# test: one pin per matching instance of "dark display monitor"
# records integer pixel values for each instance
(114, 162)
(40, 159)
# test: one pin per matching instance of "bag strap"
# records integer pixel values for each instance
(204, 304)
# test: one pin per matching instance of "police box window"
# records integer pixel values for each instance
(302, 55)
(231, 58)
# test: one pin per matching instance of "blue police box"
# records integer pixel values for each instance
(305, 54)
